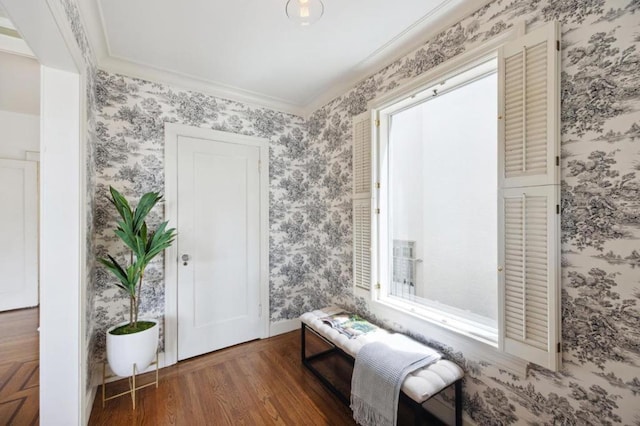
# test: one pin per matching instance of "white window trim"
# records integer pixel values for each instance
(476, 341)
(414, 92)
(469, 344)
(435, 75)
(439, 315)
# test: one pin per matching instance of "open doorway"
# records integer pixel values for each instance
(19, 189)
(62, 362)
(19, 156)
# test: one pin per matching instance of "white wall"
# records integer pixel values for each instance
(18, 133)
(19, 106)
(19, 84)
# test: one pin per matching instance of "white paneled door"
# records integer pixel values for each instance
(19, 234)
(218, 204)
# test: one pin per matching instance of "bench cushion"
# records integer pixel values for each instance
(420, 385)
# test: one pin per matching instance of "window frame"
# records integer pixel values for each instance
(444, 326)
(409, 94)
(443, 315)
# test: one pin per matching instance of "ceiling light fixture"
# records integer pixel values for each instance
(304, 12)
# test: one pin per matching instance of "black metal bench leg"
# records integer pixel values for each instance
(303, 343)
(306, 361)
(458, 390)
(417, 414)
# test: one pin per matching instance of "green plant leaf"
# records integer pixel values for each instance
(143, 231)
(159, 241)
(126, 282)
(144, 244)
(147, 202)
(121, 204)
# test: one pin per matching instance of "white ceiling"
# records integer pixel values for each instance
(249, 50)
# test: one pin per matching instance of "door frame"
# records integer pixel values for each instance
(64, 345)
(172, 133)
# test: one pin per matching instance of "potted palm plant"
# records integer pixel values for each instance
(134, 341)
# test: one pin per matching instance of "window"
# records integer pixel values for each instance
(462, 227)
(440, 159)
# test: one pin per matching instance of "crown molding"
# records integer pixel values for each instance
(189, 82)
(99, 39)
(91, 17)
(437, 20)
(430, 25)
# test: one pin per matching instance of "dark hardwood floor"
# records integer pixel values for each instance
(19, 367)
(257, 383)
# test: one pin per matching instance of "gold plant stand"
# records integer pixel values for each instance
(132, 383)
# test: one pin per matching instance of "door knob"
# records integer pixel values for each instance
(185, 259)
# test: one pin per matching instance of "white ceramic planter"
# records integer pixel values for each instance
(127, 349)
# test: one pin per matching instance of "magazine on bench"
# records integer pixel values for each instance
(351, 325)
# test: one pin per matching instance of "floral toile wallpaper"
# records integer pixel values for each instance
(600, 381)
(310, 202)
(131, 114)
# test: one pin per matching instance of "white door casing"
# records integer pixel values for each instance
(19, 231)
(216, 189)
(218, 245)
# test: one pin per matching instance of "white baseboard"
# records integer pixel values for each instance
(282, 327)
(89, 404)
(445, 412)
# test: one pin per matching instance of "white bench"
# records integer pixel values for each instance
(418, 386)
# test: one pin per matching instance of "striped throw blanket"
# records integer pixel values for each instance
(378, 373)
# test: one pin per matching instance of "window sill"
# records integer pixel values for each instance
(443, 319)
(474, 342)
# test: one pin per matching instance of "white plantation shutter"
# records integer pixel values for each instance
(362, 201)
(362, 243)
(362, 155)
(529, 197)
(529, 104)
(530, 269)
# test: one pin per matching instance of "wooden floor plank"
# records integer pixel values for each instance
(258, 383)
(19, 392)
